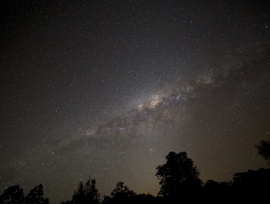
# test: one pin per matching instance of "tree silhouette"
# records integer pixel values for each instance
(12, 195)
(91, 192)
(178, 175)
(252, 185)
(252, 180)
(147, 198)
(15, 195)
(213, 190)
(85, 194)
(122, 190)
(36, 196)
(79, 194)
(120, 194)
(264, 149)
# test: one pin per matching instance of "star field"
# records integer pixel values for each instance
(108, 88)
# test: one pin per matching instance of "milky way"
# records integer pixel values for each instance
(166, 105)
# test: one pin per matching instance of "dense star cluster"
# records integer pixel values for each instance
(108, 88)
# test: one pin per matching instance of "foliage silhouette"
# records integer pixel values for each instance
(179, 180)
(149, 199)
(178, 175)
(122, 190)
(252, 180)
(36, 196)
(85, 194)
(263, 149)
(120, 194)
(252, 185)
(15, 195)
(213, 190)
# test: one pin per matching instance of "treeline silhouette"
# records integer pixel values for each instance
(15, 195)
(179, 181)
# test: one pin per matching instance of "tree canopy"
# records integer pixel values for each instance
(120, 194)
(178, 174)
(15, 195)
(263, 149)
(85, 193)
(179, 180)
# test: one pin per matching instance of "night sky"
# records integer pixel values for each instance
(108, 88)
